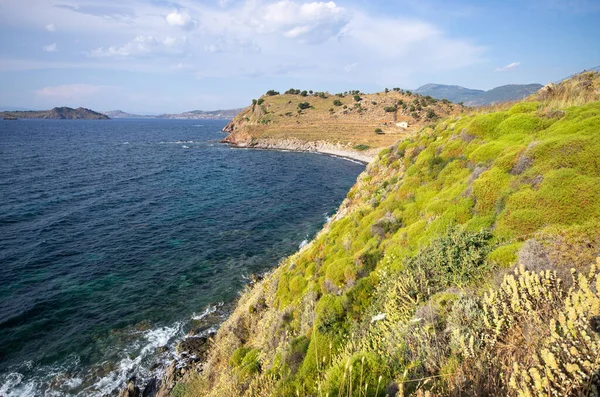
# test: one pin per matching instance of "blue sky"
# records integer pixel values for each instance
(172, 56)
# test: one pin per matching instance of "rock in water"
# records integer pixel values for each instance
(131, 390)
(150, 389)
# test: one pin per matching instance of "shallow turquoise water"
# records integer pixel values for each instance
(115, 235)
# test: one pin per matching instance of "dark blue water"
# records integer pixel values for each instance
(115, 236)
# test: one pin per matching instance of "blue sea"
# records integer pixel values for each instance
(119, 237)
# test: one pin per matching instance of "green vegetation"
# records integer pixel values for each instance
(464, 264)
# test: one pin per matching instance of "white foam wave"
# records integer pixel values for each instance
(208, 311)
(162, 336)
(345, 158)
(177, 142)
(139, 358)
(14, 386)
(304, 243)
(129, 366)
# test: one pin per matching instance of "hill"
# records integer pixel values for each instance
(454, 93)
(469, 97)
(119, 114)
(463, 262)
(58, 113)
(351, 124)
(226, 114)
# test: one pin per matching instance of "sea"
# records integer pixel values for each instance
(119, 237)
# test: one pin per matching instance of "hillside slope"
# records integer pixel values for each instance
(353, 123)
(58, 113)
(463, 262)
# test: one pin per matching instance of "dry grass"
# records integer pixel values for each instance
(352, 123)
(576, 91)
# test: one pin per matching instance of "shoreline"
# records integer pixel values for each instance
(293, 145)
(194, 347)
(178, 370)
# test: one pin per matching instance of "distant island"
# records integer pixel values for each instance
(223, 114)
(58, 113)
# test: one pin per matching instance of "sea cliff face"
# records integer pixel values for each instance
(291, 144)
(463, 261)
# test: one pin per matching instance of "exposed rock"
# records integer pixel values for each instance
(131, 390)
(150, 389)
(194, 346)
(300, 146)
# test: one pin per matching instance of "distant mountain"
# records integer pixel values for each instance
(454, 93)
(470, 97)
(119, 114)
(226, 114)
(58, 113)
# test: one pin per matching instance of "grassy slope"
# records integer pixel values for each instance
(278, 118)
(389, 297)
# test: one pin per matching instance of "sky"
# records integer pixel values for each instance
(171, 56)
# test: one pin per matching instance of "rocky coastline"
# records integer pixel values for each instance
(192, 350)
(294, 145)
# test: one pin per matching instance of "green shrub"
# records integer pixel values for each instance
(330, 311)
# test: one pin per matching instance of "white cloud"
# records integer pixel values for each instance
(508, 67)
(227, 45)
(51, 27)
(70, 91)
(308, 22)
(350, 67)
(49, 47)
(143, 45)
(179, 18)
(315, 41)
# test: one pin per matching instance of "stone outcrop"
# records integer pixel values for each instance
(334, 149)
